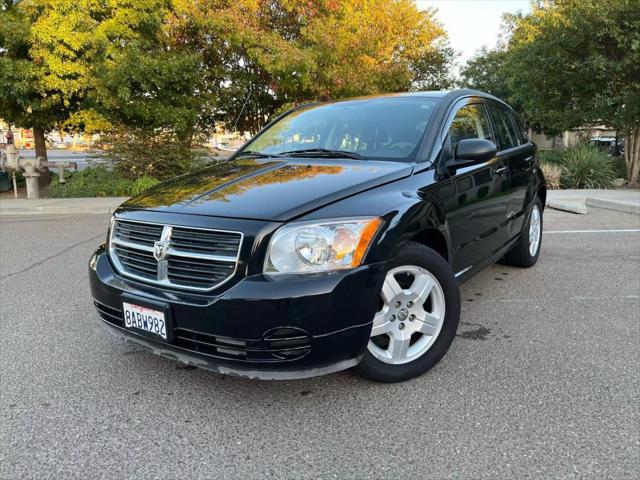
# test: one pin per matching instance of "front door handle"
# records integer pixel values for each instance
(502, 170)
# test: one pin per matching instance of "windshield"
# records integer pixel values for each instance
(380, 128)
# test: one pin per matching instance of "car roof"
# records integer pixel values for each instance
(460, 92)
(426, 93)
(446, 95)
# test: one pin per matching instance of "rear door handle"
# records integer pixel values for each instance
(501, 171)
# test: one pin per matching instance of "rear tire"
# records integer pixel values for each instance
(417, 319)
(525, 253)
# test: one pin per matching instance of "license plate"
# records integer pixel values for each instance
(146, 319)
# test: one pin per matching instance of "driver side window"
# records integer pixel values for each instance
(471, 121)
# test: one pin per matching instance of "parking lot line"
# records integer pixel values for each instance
(626, 230)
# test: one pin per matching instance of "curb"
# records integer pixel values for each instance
(617, 206)
(84, 206)
(57, 211)
(568, 206)
(581, 205)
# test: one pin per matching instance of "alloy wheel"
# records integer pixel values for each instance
(534, 231)
(410, 315)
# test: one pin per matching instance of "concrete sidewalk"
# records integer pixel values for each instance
(578, 201)
(60, 206)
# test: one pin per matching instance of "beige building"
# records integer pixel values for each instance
(570, 138)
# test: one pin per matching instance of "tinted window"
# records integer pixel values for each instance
(471, 121)
(375, 128)
(507, 137)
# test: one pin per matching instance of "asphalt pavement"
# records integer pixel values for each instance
(541, 382)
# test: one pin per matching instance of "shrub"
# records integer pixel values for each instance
(550, 157)
(91, 182)
(98, 182)
(552, 175)
(159, 154)
(141, 184)
(586, 167)
(619, 167)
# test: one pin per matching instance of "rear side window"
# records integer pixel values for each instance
(471, 121)
(505, 128)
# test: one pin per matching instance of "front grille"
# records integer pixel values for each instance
(219, 243)
(173, 256)
(144, 234)
(137, 261)
(198, 272)
(280, 344)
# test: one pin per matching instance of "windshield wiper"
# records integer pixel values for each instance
(322, 152)
(249, 153)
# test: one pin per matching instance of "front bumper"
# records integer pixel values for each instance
(283, 328)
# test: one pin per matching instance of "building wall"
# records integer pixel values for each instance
(570, 138)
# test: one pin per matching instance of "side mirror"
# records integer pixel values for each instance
(473, 150)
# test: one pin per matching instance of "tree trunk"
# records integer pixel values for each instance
(40, 145)
(632, 154)
(41, 151)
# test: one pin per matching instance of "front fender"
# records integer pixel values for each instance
(408, 206)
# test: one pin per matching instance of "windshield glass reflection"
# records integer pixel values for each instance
(381, 128)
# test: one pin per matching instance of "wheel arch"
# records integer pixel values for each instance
(542, 194)
(433, 238)
(541, 187)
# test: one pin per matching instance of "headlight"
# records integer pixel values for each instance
(309, 247)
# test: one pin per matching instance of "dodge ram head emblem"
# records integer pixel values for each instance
(160, 249)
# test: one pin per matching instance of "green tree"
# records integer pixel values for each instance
(170, 69)
(21, 97)
(87, 63)
(572, 63)
(261, 56)
(485, 71)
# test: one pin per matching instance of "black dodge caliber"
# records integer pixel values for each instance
(335, 238)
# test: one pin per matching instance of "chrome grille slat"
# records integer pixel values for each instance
(137, 257)
(178, 268)
(194, 258)
(139, 266)
(137, 246)
(186, 275)
(219, 243)
(122, 231)
(140, 263)
(205, 256)
(138, 233)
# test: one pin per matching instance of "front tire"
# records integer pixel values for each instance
(417, 317)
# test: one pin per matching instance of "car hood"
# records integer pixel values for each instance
(267, 189)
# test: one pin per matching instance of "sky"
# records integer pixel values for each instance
(471, 24)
